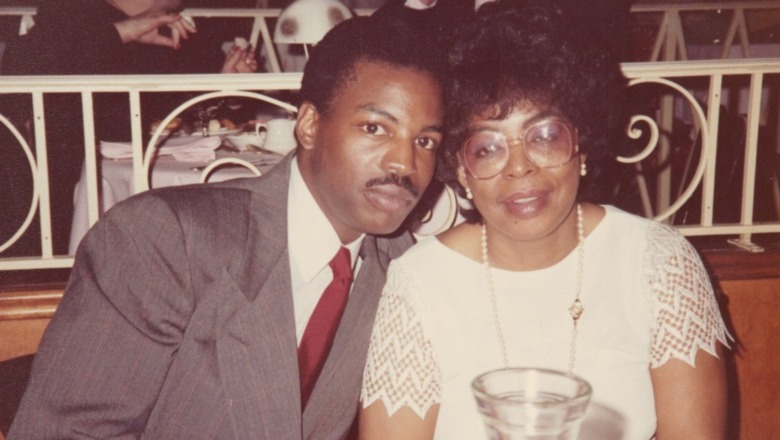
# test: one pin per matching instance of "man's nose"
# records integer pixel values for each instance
(400, 158)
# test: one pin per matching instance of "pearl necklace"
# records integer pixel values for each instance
(575, 310)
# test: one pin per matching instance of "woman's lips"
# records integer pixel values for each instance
(526, 203)
(524, 200)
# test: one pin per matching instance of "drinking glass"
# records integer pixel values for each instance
(531, 403)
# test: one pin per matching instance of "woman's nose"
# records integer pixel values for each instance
(518, 163)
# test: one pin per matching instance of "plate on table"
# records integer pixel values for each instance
(167, 133)
(181, 132)
(245, 141)
(250, 156)
(220, 132)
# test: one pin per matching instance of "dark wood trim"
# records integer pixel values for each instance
(738, 264)
(30, 301)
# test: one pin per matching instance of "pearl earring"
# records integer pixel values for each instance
(583, 169)
(468, 193)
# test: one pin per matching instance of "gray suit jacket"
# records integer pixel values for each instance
(178, 323)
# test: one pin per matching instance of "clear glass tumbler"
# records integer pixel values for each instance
(531, 403)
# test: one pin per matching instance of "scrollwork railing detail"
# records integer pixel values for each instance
(700, 121)
(35, 190)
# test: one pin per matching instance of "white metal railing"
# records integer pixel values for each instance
(86, 87)
(670, 42)
(668, 75)
(706, 122)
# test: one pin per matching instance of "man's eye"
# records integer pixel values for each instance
(373, 129)
(426, 143)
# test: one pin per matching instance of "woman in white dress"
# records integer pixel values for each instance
(539, 275)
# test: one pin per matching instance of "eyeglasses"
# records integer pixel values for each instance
(547, 144)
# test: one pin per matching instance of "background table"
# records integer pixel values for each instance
(117, 182)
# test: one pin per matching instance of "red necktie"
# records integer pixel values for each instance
(321, 329)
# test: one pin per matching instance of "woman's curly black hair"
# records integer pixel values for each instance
(537, 52)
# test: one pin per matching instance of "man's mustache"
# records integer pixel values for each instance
(392, 179)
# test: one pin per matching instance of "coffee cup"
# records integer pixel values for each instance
(278, 135)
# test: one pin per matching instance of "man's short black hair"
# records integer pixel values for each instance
(331, 63)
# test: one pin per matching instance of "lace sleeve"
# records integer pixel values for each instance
(685, 314)
(400, 369)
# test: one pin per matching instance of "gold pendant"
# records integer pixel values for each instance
(576, 309)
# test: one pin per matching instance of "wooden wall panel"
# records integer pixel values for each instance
(754, 372)
(24, 315)
(20, 336)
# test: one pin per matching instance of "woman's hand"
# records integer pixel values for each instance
(145, 28)
(240, 60)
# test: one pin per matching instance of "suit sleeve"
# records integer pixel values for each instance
(105, 355)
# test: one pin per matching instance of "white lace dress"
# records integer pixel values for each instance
(647, 299)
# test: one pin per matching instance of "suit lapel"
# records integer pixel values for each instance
(257, 349)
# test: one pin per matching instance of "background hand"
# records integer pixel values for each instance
(240, 60)
(145, 28)
(181, 29)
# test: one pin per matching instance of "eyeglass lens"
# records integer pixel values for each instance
(547, 144)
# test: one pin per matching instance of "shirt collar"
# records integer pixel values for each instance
(312, 240)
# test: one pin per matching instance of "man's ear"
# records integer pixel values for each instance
(306, 125)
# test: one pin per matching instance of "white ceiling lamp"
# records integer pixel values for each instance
(307, 21)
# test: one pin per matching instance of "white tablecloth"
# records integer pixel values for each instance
(117, 183)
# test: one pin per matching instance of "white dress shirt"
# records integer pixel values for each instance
(312, 243)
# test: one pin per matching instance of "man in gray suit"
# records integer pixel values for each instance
(186, 306)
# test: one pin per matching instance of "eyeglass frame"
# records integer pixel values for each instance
(520, 141)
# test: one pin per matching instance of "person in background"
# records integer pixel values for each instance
(97, 37)
(101, 37)
(219, 311)
(541, 274)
